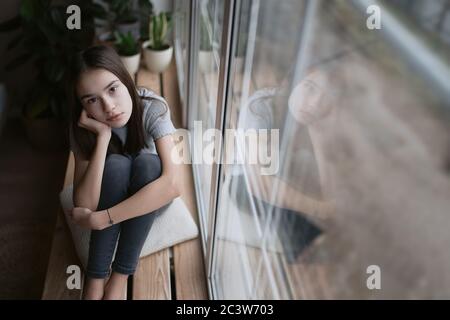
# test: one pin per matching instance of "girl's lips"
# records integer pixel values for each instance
(116, 117)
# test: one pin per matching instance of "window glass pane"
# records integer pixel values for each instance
(265, 48)
(203, 111)
(379, 131)
(181, 45)
(364, 153)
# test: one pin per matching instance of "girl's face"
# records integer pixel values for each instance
(104, 97)
(308, 101)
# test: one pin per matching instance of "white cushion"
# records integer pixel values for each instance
(174, 225)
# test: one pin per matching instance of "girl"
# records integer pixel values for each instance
(124, 176)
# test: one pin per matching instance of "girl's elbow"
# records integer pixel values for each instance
(84, 204)
(174, 186)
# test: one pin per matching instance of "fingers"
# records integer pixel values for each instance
(83, 119)
(90, 123)
(87, 122)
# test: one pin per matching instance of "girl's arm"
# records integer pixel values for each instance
(152, 196)
(264, 187)
(88, 175)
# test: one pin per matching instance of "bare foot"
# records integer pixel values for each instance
(93, 289)
(116, 287)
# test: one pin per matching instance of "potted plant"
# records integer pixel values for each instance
(102, 21)
(145, 13)
(129, 51)
(126, 18)
(157, 52)
(205, 55)
(122, 16)
(47, 43)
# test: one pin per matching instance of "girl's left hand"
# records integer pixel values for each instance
(85, 218)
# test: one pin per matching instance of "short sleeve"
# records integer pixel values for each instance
(157, 119)
(257, 113)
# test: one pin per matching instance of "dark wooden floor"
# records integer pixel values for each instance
(29, 184)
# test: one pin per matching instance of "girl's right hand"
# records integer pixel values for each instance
(95, 126)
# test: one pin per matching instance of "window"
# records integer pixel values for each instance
(361, 118)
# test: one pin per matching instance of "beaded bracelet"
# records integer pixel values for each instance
(111, 222)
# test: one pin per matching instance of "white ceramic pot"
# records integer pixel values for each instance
(131, 63)
(157, 60)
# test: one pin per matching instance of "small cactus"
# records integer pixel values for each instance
(126, 44)
(158, 29)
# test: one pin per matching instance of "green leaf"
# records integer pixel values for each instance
(45, 41)
(155, 33)
(123, 10)
(126, 44)
(38, 106)
(27, 9)
(58, 17)
(31, 9)
(53, 70)
(96, 10)
(18, 61)
(146, 5)
(52, 35)
(54, 106)
(158, 28)
(164, 27)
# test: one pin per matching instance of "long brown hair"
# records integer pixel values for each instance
(104, 57)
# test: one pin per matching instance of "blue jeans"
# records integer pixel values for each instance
(294, 229)
(123, 176)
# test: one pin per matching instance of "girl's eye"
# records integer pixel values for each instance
(91, 100)
(310, 88)
(113, 89)
(308, 85)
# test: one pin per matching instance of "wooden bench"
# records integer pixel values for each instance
(174, 273)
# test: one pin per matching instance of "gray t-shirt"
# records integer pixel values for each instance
(156, 120)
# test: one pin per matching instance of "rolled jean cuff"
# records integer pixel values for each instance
(97, 275)
(123, 270)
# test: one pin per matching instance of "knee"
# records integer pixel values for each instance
(116, 175)
(118, 160)
(145, 169)
(117, 166)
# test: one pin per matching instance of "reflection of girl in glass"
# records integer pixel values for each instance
(300, 199)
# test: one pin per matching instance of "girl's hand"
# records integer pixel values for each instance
(95, 126)
(87, 219)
